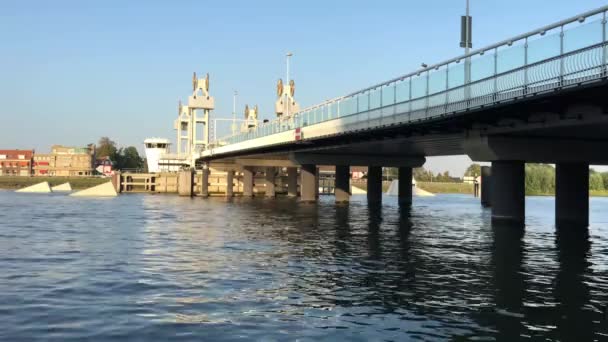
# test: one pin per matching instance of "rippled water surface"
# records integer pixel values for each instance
(152, 267)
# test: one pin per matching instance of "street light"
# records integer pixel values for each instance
(288, 56)
(466, 28)
(234, 112)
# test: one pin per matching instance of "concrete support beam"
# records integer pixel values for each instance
(265, 162)
(374, 184)
(205, 182)
(292, 181)
(269, 180)
(342, 184)
(185, 183)
(405, 186)
(356, 160)
(230, 183)
(572, 194)
(247, 181)
(536, 150)
(308, 183)
(508, 195)
(486, 186)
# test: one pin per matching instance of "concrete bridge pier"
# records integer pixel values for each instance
(508, 192)
(185, 182)
(342, 184)
(230, 183)
(486, 186)
(374, 184)
(247, 181)
(292, 181)
(269, 181)
(308, 183)
(205, 182)
(405, 186)
(572, 194)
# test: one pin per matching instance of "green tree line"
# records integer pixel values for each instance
(540, 178)
(123, 158)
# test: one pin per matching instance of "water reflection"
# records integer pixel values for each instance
(263, 269)
(571, 290)
(508, 279)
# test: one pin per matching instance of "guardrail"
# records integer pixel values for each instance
(565, 53)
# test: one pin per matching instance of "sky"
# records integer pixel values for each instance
(73, 71)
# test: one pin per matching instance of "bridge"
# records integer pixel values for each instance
(536, 97)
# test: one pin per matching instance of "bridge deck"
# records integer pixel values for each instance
(568, 54)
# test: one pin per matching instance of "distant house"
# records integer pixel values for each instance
(16, 162)
(104, 166)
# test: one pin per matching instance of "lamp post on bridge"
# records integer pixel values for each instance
(234, 112)
(288, 57)
(466, 28)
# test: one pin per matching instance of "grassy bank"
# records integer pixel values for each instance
(446, 188)
(434, 187)
(592, 193)
(15, 182)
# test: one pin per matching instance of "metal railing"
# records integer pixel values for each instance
(563, 54)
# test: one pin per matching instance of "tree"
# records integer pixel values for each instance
(106, 148)
(605, 178)
(422, 175)
(128, 158)
(596, 181)
(473, 170)
(540, 179)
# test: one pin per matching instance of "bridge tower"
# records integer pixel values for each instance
(286, 106)
(251, 118)
(188, 121)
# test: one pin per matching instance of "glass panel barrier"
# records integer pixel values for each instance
(403, 90)
(582, 36)
(418, 86)
(482, 66)
(374, 98)
(437, 80)
(388, 95)
(362, 102)
(510, 58)
(543, 47)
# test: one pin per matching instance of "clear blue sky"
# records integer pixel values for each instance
(72, 71)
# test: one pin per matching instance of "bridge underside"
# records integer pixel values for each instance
(531, 128)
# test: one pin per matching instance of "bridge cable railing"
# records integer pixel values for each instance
(570, 51)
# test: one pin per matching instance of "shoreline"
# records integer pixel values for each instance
(19, 182)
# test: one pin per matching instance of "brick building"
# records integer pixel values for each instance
(16, 162)
(65, 161)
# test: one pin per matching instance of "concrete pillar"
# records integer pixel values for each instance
(342, 184)
(117, 181)
(308, 183)
(572, 194)
(292, 181)
(405, 185)
(247, 181)
(317, 180)
(508, 196)
(205, 182)
(185, 182)
(230, 183)
(374, 184)
(269, 180)
(486, 186)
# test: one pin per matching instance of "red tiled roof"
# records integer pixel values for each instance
(12, 154)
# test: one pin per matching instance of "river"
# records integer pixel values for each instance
(161, 267)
